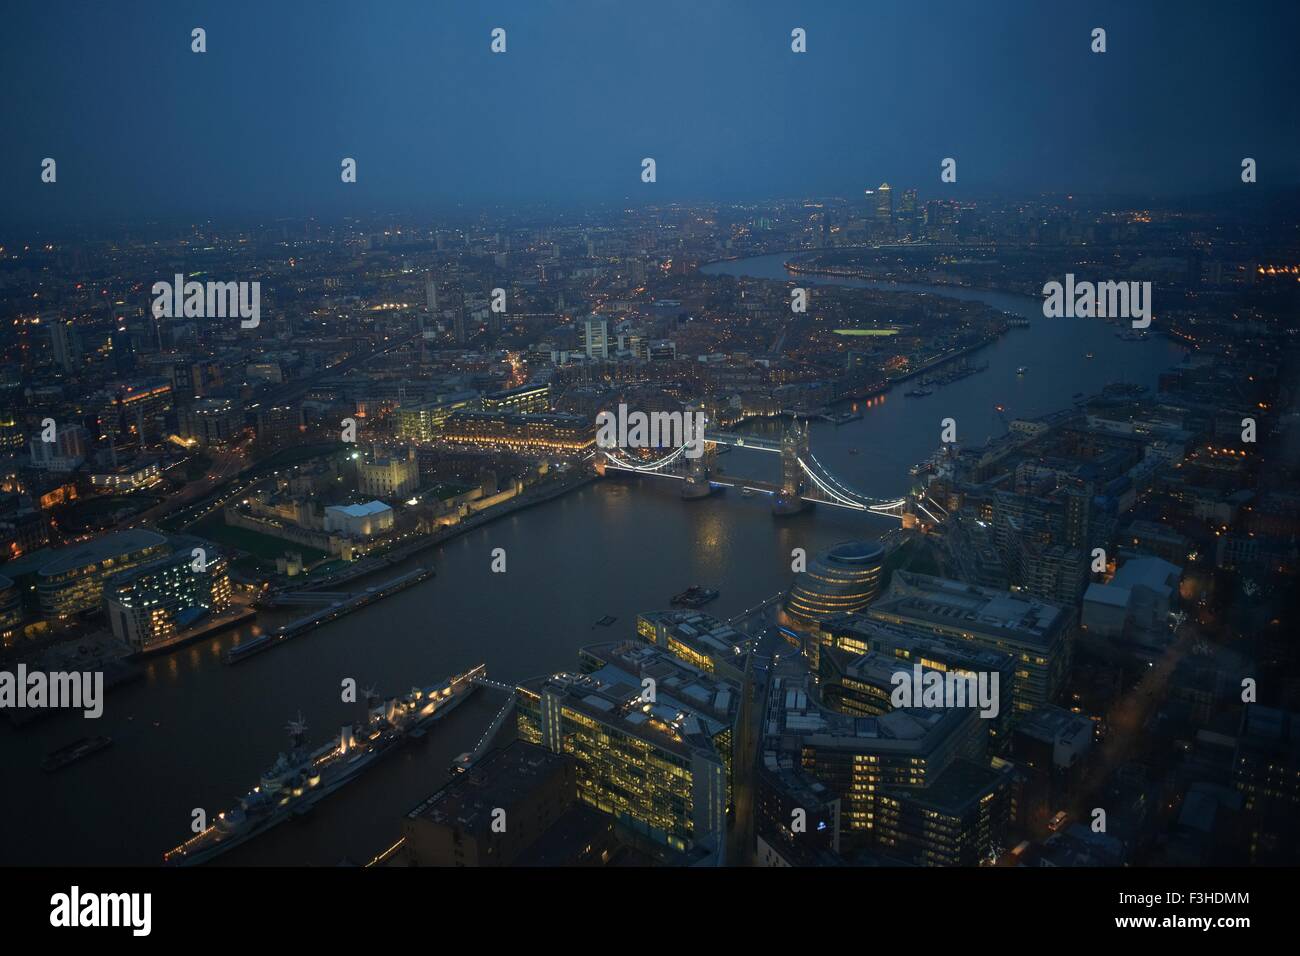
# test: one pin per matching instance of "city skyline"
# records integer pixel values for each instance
(259, 123)
(398, 392)
(628, 438)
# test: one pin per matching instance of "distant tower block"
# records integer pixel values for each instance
(884, 205)
(794, 446)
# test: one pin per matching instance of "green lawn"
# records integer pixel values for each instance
(448, 489)
(260, 545)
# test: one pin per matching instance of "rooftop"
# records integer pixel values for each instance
(856, 552)
(964, 782)
(1050, 723)
(519, 418)
(519, 390)
(361, 511)
(690, 708)
(1108, 594)
(883, 636)
(59, 560)
(947, 603)
(703, 632)
(792, 714)
(502, 779)
(1151, 573)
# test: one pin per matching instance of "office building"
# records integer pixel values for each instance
(126, 478)
(653, 738)
(65, 343)
(1266, 772)
(838, 580)
(524, 400)
(70, 580)
(961, 819)
(518, 806)
(835, 643)
(423, 421)
(1037, 634)
(11, 611)
(884, 206)
(1137, 599)
(913, 784)
(909, 213)
(23, 531)
(11, 433)
(65, 453)
(699, 639)
(660, 350)
(1051, 747)
(278, 424)
(784, 794)
(154, 602)
(211, 422)
(134, 412)
(526, 434)
(595, 338)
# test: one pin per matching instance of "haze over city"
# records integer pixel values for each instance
(143, 128)
(630, 437)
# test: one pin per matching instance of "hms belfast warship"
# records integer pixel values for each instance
(301, 778)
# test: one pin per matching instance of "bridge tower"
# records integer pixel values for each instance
(794, 446)
(697, 483)
(701, 469)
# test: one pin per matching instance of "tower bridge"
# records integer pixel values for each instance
(804, 479)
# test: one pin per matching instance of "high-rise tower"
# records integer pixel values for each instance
(884, 205)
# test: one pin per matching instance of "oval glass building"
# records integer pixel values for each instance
(839, 579)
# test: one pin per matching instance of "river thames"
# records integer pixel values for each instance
(198, 733)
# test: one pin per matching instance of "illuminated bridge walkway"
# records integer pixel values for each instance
(804, 478)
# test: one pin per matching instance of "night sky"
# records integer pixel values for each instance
(143, 127)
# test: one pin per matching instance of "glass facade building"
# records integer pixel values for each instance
(1037, 634)
(655, 756)
(73, 579)
(152, 603)
(841, 579)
